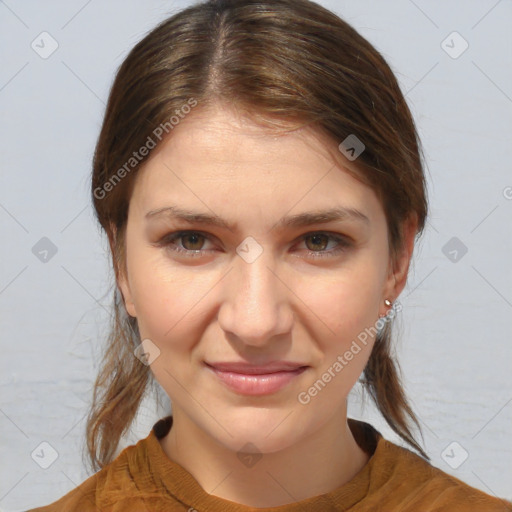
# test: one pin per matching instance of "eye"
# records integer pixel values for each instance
(192, 243)
(317, 243)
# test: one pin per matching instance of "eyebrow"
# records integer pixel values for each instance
(292, 221)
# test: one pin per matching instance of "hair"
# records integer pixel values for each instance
(286, 63)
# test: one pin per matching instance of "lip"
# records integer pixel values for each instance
(254, 380)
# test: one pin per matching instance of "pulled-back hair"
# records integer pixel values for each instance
(286, 63)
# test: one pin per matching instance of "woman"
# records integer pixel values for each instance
(259, 178)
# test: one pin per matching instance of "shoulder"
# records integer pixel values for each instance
(418, 485)
(107, 487)
(398, 479)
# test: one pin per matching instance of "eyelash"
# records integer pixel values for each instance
(168, 242)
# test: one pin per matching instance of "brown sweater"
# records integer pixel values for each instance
(143, 479)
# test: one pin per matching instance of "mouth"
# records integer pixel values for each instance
(256, 380)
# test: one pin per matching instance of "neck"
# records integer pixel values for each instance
(322, 462)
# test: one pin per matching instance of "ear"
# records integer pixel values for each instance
(120, 273)
(399, 266)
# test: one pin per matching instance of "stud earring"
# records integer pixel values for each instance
(388, 304)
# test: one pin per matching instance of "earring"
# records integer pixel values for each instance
(388, 304)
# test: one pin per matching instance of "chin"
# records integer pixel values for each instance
(263, 430)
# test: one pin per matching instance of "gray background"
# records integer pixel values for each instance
(455, 345)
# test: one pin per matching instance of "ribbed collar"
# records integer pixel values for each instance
(183, 486)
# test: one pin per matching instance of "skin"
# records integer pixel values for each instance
(285, 305)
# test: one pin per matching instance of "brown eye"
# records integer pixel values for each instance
(192, 241)
(190, 244)
(325, 245)
(319, 242)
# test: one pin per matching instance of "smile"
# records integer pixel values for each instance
(259, 383)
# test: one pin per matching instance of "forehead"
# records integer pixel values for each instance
(228, 136)
(218, 158)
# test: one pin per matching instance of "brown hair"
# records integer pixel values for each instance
(289, 61)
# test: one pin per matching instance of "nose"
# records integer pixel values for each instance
(256, 302)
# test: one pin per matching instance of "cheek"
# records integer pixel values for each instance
(168, 299)
(346, 311)
(345, 303)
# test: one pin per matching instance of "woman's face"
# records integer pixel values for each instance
(256, 279)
